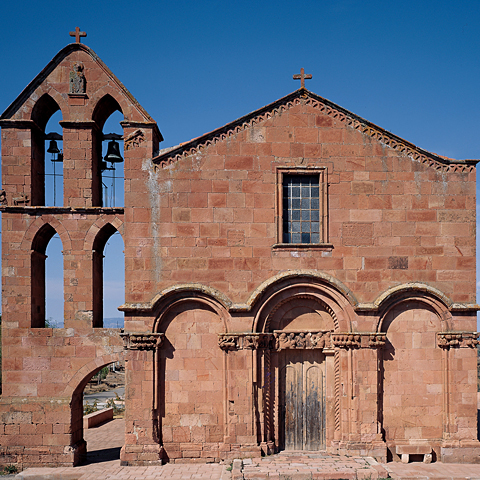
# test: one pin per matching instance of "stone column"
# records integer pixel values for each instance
(142, 425)
(80, 164)
(357, 387)
(143, 221)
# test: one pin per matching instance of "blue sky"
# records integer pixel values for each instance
(411, 67)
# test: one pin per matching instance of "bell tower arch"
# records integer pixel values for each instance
(79, 85)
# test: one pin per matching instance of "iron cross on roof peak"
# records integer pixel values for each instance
(77, 34)
(301, 76)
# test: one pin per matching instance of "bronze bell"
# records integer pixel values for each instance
(53, 148)
(113, 152)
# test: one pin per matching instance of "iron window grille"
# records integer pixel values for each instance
(302, 206)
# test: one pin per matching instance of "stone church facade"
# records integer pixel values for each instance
(299, 279)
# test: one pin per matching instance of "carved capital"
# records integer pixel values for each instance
(457, 339)
(142, 341)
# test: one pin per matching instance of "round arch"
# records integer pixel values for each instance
(169, 302)
(309, 276)
(319, 288)
(81, 378)
(430, 297)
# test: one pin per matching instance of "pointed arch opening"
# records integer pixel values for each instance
(46, 237)
(108, 171)
(108, 278)
(54, 161)
(42, 112)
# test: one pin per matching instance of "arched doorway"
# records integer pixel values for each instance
(296, 395)
(77, 434)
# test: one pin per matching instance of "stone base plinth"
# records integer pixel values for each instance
(377, 450)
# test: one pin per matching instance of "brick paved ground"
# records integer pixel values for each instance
(103, 463)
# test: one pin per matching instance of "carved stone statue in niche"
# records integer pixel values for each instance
(77, 79)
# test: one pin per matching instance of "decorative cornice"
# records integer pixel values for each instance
(142, 341)
(449, 340)
(305, 97)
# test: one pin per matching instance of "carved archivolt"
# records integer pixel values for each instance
(142, 341)
(457, 339)
(311, 297)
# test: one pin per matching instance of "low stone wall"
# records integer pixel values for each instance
(96, 418)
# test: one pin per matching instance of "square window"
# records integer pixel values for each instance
(302, 206)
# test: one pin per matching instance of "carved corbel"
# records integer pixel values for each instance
(134, 139)
(142, 341)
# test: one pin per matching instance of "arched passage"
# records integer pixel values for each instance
(38, 283)
(54, 161)
(43, 110)
(75, 388)
(107, 188)
(108, 278)
(54, 279)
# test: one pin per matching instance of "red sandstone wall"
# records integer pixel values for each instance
(211, 216)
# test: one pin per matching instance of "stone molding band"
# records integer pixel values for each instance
(280, 340)
(142, 341)
(284, 340)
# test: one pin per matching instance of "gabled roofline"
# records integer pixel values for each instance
(302, 95)
(32, 86)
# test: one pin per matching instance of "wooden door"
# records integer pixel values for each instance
(303, 400)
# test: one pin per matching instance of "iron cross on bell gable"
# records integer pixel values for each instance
(301, 76)
(77, 34)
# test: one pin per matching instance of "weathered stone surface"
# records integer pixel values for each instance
(230, 330)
